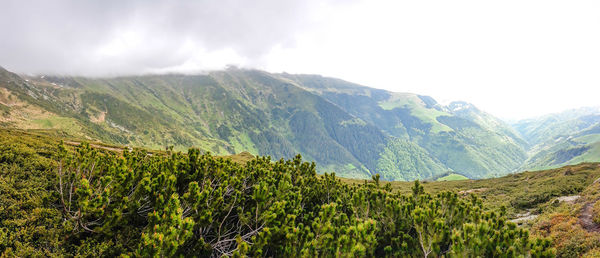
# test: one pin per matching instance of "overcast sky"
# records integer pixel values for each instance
(514, 59)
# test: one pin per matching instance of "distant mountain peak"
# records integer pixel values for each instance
(456, 106)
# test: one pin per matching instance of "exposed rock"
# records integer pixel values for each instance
(568, 199)
(477, 190)
(99, 118)
(524, 219)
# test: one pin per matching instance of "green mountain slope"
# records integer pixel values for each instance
(583, 146)
(541, 129)
(353, 130)
(561, 139)
(465, 140)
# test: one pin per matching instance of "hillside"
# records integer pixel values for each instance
(119, 196)
(464, 139)
(353, 130)
(520, 192)
(541, 129)
(562, 204)
(562, 139)
(96, 200)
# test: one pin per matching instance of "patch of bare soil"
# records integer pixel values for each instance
(478, 190)
(586, 219)
(96, 146)
(99, 119)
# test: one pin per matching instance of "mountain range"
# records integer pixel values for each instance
(565, 138)
(351, 129)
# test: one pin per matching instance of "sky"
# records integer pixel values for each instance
(511, 58)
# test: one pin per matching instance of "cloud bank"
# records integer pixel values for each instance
(115, 37)
(513, 58)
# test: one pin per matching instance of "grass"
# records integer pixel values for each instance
(431, 115)
(360, 173)
(56, 122)
(452, 177)
(527, 191)
(240, 158)
(414, 103)
(399, 100)
(242, 142)
(534, 192)
(590, 138)
(591, 155)
(521, 192)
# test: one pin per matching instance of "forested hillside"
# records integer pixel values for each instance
(562, 139)
(458, 136)
(67, 200)
(353, 130)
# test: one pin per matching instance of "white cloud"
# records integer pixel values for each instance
(511, 58)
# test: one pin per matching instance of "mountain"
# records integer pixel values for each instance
(541, 129)
(460, 136)
(351, 129)
(565, 138)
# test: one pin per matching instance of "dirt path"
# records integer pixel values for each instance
(96, 146)
(587, 218)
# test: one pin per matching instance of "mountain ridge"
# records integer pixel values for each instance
(564, 138)
(352, 129)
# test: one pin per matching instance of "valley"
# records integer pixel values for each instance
(327, 128)
(353, 130)
(254, 163)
